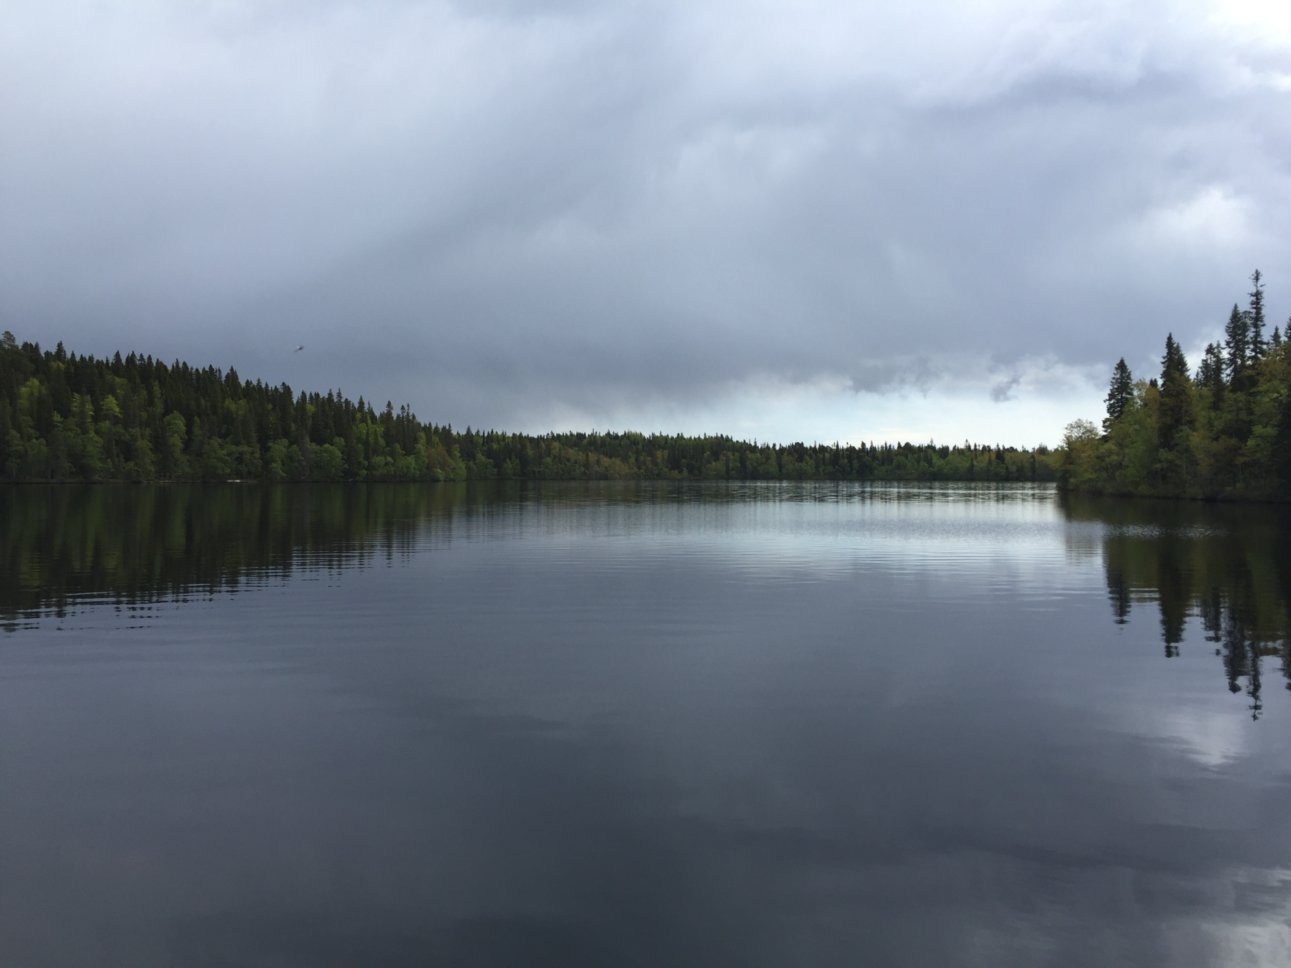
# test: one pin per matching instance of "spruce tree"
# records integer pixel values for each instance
(1238, 345)
(1255, 317)
(1119, 394)
(1175, 412)
(1210, 373)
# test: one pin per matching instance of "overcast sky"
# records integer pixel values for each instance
(811, 220)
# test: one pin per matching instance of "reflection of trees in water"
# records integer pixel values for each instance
(1229, 566)
(61, 545)
(138, 544)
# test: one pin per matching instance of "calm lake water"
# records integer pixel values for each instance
(621, 725)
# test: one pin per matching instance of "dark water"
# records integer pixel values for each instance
(641, 725)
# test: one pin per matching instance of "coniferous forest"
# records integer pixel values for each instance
(65, 417)
(1222, 431)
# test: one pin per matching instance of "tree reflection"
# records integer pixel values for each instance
(1222, 570)
(1227, 566)
(131, 545)
(62, 546)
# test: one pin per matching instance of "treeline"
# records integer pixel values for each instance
(133, 418)
(1223, 431)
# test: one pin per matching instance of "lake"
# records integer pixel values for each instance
(641, 724)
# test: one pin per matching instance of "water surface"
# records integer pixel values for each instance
(641, 725)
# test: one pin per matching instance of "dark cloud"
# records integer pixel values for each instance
(590, 209)
(1002, 392)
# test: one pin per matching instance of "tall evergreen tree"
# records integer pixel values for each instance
(1174, 365)
(1211, 366)
(1120, 394)
(1210, 373)
(1176, 400)
(1237, 343)
(1255, 316)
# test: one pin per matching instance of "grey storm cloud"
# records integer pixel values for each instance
(493, 209)
(1002, 392)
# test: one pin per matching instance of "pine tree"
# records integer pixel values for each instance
(1120, 394)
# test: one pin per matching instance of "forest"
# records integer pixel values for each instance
(65, 417)
(1222, 432)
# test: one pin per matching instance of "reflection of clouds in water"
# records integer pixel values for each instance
(1211, 738)
(1262, 937)
(610, 735)
(987, 538)
(807, 769)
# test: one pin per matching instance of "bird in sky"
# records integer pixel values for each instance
(299, 348)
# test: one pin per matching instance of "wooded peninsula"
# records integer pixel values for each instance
(1223, 432)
